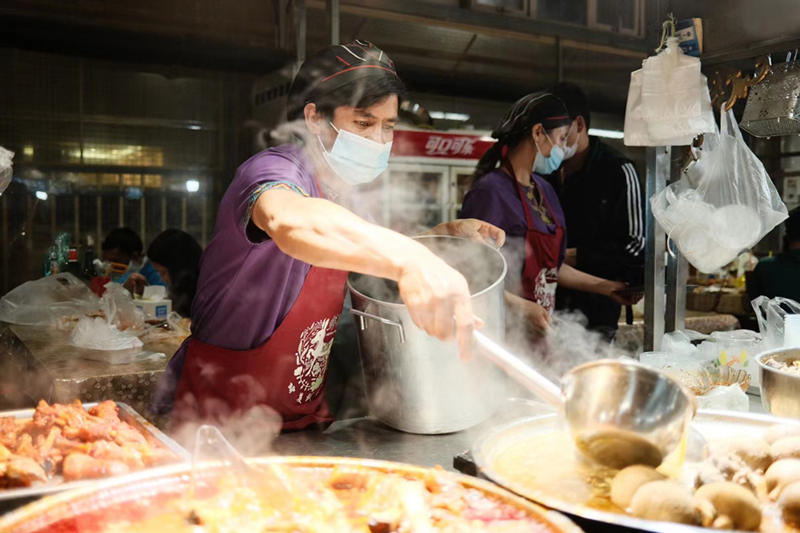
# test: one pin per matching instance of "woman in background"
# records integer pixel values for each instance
(176, 257)
(511, 193)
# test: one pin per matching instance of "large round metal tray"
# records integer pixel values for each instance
(707, 425)
(125, 494)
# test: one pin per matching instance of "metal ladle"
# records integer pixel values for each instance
(619, 412)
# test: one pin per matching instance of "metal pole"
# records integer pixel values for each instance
(183, 213)
(99, 229)
(334, 25)
(677, 276)
(559, 60)
(300, 30)
(6, 244)
(204, 221)
(53, 228)
(76, 223)
(658, 164)
(143, 217)
(163, 211)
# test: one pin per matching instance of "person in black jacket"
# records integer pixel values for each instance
(603, 206)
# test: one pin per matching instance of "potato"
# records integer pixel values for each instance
(754, 452)
(779, 431)
(668, 501)
(734, 506)
(628, 480)
(781, 474)
(789, 503)
(786, 448)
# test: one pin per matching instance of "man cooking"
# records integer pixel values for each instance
(272, 279)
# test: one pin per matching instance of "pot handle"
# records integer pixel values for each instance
(363, 323)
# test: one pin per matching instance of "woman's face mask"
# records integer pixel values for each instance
(547, 165)
(356, 159)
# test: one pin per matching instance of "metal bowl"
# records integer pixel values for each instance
(780, 389)
(622, 410)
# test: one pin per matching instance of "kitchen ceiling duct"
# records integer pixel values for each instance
(773, 107)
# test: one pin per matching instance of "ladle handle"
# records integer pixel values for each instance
(520, 371)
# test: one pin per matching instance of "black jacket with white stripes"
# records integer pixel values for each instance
(603, 207)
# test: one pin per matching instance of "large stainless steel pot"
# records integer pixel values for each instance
(780, 389)
(413, 381)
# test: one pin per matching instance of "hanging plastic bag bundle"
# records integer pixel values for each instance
(725, 202)
(668, 99)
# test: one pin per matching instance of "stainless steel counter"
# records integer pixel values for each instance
(366, 437)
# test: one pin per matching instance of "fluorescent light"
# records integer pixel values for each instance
(441, 115)
(611, 134)
(192, 185)
(41, 195)
(194, 127)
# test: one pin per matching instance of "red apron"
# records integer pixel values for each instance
(287, 373)
(542, 250)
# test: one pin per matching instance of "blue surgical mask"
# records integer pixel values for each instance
(356, 159)
(547, 165)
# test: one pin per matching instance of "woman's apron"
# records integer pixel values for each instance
(287, 373)
(542, 250)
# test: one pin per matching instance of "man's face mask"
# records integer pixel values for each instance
(547, 165)
(570, 149)
(356, 159)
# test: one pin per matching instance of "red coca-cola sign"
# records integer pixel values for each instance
(415, 143)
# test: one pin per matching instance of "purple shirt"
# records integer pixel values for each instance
(494, 198)
(247, 285)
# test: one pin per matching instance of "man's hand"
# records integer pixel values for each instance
(618, 291)
(571, 257)
(471, 228)
(538, 318)
(135, 283)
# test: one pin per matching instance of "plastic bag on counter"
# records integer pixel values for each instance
(726, 201)
(169, 334)
(724, 397)
(120, 310)
(771, 315)
(98, 334)
(57, 301)
(678, 355)
(6, 171)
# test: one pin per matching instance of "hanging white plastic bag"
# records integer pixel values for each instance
(6, 172)
(725, 202)
(676, 102)
(669, 103)
(55, 301)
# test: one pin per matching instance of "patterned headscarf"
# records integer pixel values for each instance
(334, 68)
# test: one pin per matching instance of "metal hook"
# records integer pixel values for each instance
(669, 248)
(670, 22)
